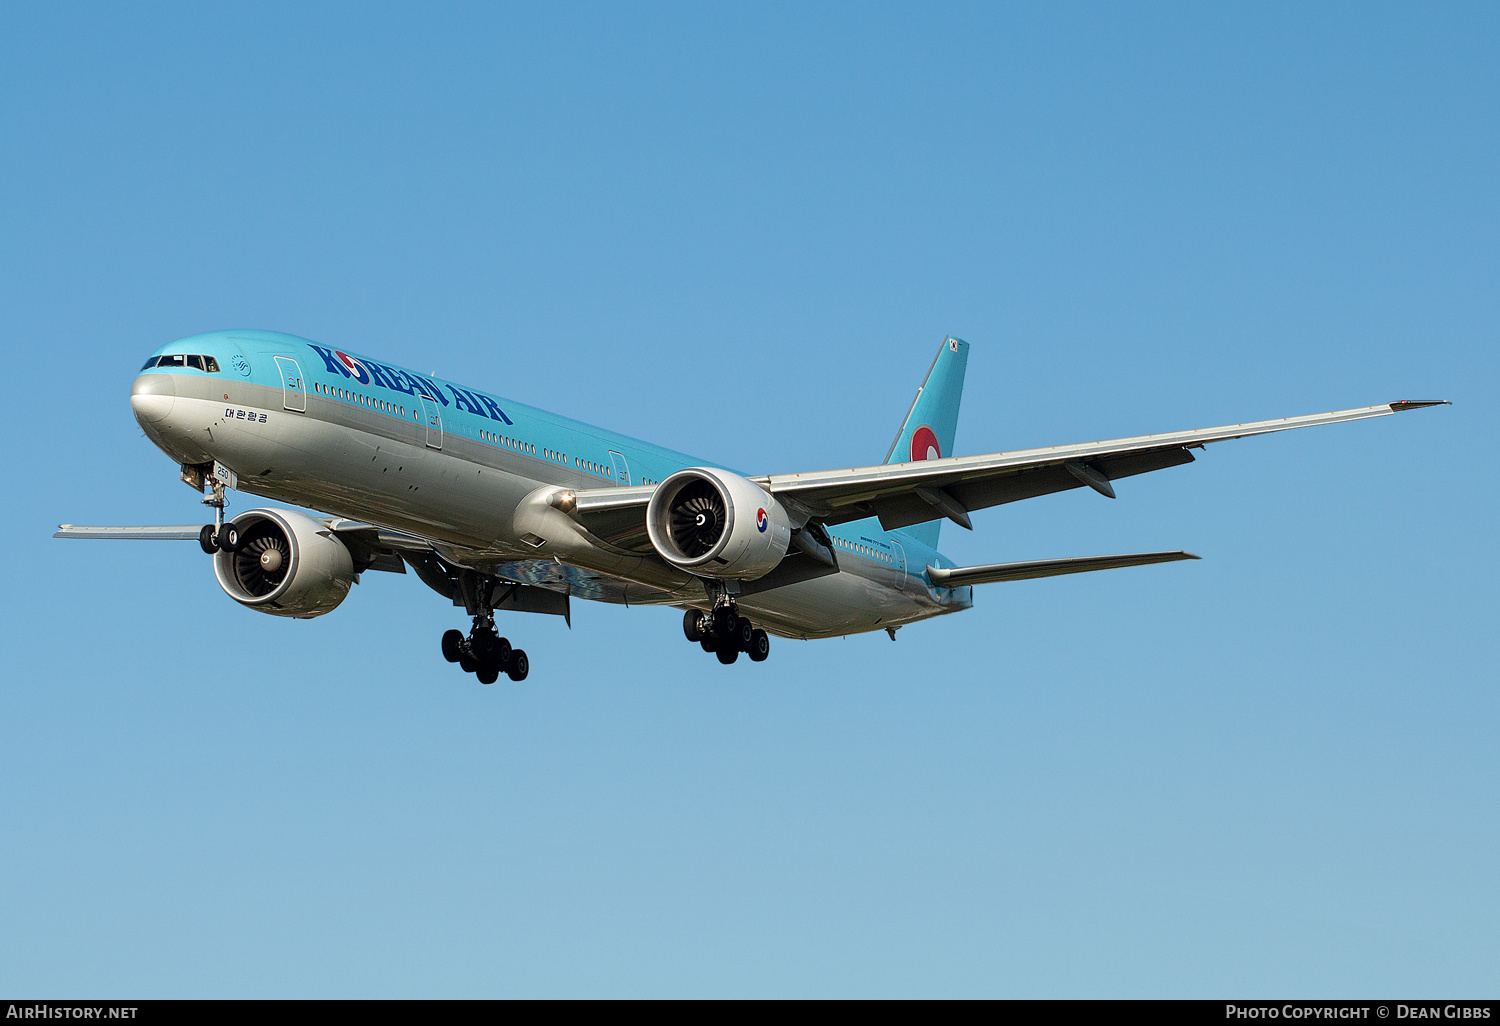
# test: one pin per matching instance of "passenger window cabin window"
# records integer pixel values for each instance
(195, 361)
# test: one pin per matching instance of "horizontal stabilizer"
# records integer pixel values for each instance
(182, 532)
(958, 577)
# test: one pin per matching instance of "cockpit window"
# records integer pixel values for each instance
(203, 363)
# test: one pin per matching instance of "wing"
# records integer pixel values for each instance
(373, 548)
(902, 494)
(182, 532)
(616, 516)
(957, 577)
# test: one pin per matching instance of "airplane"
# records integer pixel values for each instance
(500, 507)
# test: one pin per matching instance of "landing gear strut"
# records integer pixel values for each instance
(218, 536)
(484, 652)
(725, 633)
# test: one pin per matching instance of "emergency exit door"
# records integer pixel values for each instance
(293, 392)
(432, 416)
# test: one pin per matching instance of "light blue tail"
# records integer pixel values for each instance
(927, 433)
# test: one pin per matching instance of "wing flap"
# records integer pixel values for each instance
(994, 573)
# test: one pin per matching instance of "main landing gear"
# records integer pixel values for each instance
(726, 633)
(484, 653)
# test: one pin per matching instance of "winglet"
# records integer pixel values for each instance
(1417, 404)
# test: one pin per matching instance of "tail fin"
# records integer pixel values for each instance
(927, 433)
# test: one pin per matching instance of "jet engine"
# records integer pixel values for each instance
(716, 524)
(287, 564)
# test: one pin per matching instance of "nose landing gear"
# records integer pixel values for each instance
(726, 634)
(218, 536)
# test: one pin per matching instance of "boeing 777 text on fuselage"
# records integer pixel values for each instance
(500, 507)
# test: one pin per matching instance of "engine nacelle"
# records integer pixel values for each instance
(287, 564)
(716, 524)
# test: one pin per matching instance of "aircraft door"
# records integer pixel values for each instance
(434, 420)
(900, 555)
(293, 391)
(622, 469)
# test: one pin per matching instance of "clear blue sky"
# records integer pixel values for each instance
(742, 232)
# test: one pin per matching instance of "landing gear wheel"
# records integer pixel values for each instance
(760, 646)
(207, 538)
(690, 625)
(708, 644)
(722, 624)
(468, 663)
(498, 660)
(229, 538)
(453, 646)
(488, 674)
(727, 655)
(520, 666)
(744, 633)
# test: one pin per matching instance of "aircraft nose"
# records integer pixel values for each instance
(152, 397)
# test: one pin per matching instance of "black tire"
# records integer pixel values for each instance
(690, 625)
(482, 643)
(208, 539)
(708, 644)
(723, 624)
(468, 663)
(744, 633)
(727, 655)
(229, 538)
(488, 674)
(453, 645)
(502, 653)
(760, 646)
(520, 666)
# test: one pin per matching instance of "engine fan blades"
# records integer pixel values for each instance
(251, 569)
(697, 519)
